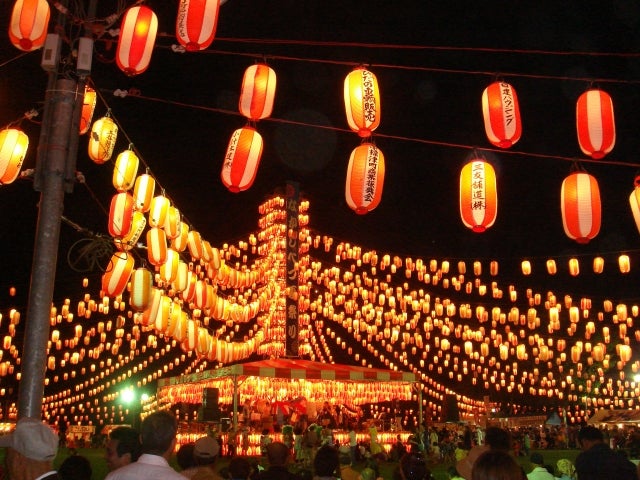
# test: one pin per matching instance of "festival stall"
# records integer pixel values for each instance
(292, 384)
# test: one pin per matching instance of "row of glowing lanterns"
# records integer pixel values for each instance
(195, 29)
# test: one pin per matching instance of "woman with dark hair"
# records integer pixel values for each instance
(326, 463)
(497, 465)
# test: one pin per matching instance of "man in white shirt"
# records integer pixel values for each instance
(158, 441)
(539, 471)
(31, 448)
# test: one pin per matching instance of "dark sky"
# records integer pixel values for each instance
(432, 60)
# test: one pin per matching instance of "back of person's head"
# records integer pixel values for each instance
(158, 432)
(496, 465)
(591, 434)
(498, 438)
(128, 441)
(184, 456)
(205, 450)
(75, 467)
(239, 468)
(326, 461)
(277, 454)
(565, 467)
(413, 467)
(536, 459)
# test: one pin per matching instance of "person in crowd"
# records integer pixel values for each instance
(412, 467)
(75, 467)
(495, 438)
(353, 443)
(239, 469)
(398, 450)
(31, 449)
(123, 447)
(158, 440)
(326, 464)
(278, 457)
(497, 465)
(184, 456)
(265, 440)
(205, 453)
(597, 461)
(347, 472)
(539, 471)
(566, 469)
(453, 474)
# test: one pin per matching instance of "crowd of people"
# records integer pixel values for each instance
(480, 454)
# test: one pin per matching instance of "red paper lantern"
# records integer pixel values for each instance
(365, 178)
(13, 148)
(478, 195)
(501, 113)
(29, 24)
(120, 215)
(137, 38)
(242, 159)
(88, 107)
(116, 276)
(581, 208)
(258, 92)
(196, 23)
(362, 101)
(130, 240)
(595, 123)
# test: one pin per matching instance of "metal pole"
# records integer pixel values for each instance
(55, 154)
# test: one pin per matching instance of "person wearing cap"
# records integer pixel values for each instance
(205, 453)
(31, 449)
(122, 448)
(539, 471)
(157, 441)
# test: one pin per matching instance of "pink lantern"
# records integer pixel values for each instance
(29, 24)
(137, 38)
(196, 23)
(242, 159)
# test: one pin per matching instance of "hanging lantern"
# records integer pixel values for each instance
(141, 287)
(242, 159)
(102, 139)
(130, 240)
(137, 38)
(172, 223)
(125, 170)
(581, 209)
(143, 192)
(116, 276)
(88, 106)
(13, 149)
(595, 123)
(362, 101)
(169, 269)
(634, 201)
(258, 92)
(156, 246)
(120, 214)
(365, 178)
(196, 23)
(478, 195)
(158, 210)
(29, 24)
(501, 113)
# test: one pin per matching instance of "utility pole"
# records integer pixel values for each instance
(55, 174)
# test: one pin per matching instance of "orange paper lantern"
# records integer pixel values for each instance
(120, 214)
(130, 239)
(362, 101)
(125, 170)
(88, 107)
(258, 92)
(581, 208)
(501, 113)
(365, 178)
(634, 201)
(595, 123)
(478, 195)
(156, 246)
(102, 139)
(196, 23)
(116, 276)
(141, 288)
(242, 159)
(29, 24)
(143, 192)
(13, 149)
(137, 38)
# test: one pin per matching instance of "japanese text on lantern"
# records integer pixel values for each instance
(507, 103)
(372, 162)
(477, 187)
(231, 151)
(368, 97)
